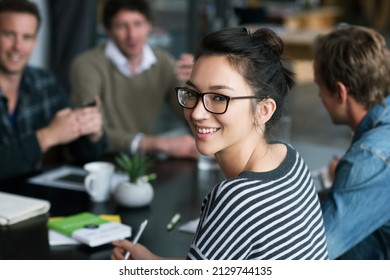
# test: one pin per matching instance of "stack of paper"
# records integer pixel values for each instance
(90, 229)
(16, 208)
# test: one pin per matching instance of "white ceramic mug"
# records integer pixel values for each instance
(98, 181)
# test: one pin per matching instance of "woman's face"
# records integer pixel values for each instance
(216, 133)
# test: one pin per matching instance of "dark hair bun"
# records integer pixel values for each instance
(269, 39)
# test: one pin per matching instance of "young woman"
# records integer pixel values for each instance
(267, 207)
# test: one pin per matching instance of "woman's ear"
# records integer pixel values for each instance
(264, 110)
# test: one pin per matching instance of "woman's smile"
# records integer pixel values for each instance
(206, 130)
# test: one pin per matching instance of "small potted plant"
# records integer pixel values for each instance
(137, 191)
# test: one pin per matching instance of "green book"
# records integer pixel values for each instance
(90, 229)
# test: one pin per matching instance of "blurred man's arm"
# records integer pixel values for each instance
(182, 146)
(88, 75)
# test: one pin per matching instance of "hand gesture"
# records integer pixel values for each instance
(68, 125)
(62, 129)
(90, 121)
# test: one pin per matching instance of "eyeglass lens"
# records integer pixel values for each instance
(214, 103)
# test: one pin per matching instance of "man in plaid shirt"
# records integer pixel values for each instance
(34, 110)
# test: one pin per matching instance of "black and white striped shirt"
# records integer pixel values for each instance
(262, 215)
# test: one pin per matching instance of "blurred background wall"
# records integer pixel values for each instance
(72, 26)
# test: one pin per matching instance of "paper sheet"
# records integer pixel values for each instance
(190, 226)
(321, 177)
(69, 177)
(56, 239)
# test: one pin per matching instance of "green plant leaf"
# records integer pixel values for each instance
(136, 166)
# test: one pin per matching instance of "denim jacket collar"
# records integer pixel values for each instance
(375, 116)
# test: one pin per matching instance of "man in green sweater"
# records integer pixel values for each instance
(133, 82)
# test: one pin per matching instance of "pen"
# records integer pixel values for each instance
(136, 238)
(173, 221)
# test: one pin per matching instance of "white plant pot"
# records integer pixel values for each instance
(134, 194)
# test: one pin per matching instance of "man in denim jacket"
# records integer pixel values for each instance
(352, 71)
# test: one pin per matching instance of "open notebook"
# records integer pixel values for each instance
(16, 208)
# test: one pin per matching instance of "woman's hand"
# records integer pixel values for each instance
(137, 251)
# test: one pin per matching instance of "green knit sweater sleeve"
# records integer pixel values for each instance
(91, 75)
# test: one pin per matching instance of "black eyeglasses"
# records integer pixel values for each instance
(213, 102)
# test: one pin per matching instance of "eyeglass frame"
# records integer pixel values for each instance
(202, 94)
